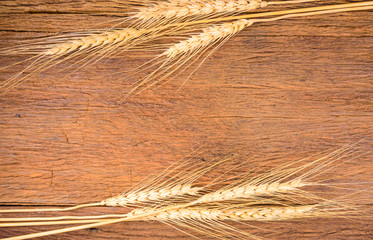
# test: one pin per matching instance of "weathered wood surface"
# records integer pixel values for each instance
(283, 90)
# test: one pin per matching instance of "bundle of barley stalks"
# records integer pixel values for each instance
(192, 29)
(180, 198)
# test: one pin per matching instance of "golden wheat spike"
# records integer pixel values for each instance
(113, 37)
(265, 213)
(53, 51)
(180, 10)
(151, 195)
(186, 8)
(206, 38)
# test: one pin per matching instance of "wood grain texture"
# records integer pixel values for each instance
(278, 91)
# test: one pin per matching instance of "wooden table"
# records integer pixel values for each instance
(275, 93)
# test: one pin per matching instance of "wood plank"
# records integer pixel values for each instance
(275, 93)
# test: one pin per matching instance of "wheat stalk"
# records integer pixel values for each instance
(151, 195)
(273, 213)
(201, 216)
(283, 181)
(53, 51)
(173, 185)
(68, 44)
(184, 8)
(197, 213)
(188, 51)
(28, 224)
(206, 38)
(180, 53)
(249, 190)
(98, 45)
(197, 9)
(119, 37)
(159, 190)
(179, 214)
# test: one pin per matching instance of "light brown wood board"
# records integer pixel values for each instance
(276, 92)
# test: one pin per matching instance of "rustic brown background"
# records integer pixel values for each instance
(282, 90)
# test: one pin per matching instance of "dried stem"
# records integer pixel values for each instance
(49, 209)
